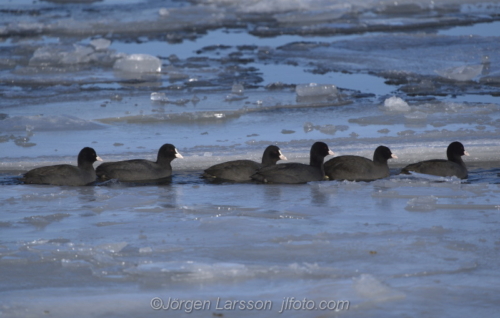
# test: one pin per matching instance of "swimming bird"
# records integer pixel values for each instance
(297, 172)
(140, 169)
(356, 168)
(241, 170)
(66, 175)
(454, 166)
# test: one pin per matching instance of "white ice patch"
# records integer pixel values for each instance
(159, 97)
(62, 55)
(461, 73)
(138, 63)
(100, 44)
(396, 104)
(164, 12)
(369, 287)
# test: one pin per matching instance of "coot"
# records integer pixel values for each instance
(356, 168)
(140, 169)
(297, 172)
(241, 170)
(454, 166)
(66, 175)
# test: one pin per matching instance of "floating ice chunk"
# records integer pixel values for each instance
(237, 88)
(461, 73)
(57, 55)
(159, 97)
(138, 63)
(100, 44)
(396, 104)
(313, 89)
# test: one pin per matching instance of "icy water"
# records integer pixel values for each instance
(224, 78)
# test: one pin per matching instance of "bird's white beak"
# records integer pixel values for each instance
(282, 157)
(178, 155)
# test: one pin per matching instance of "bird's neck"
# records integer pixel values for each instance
(457, 159)
(316, 162)
(379, 161)
(164, 162)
